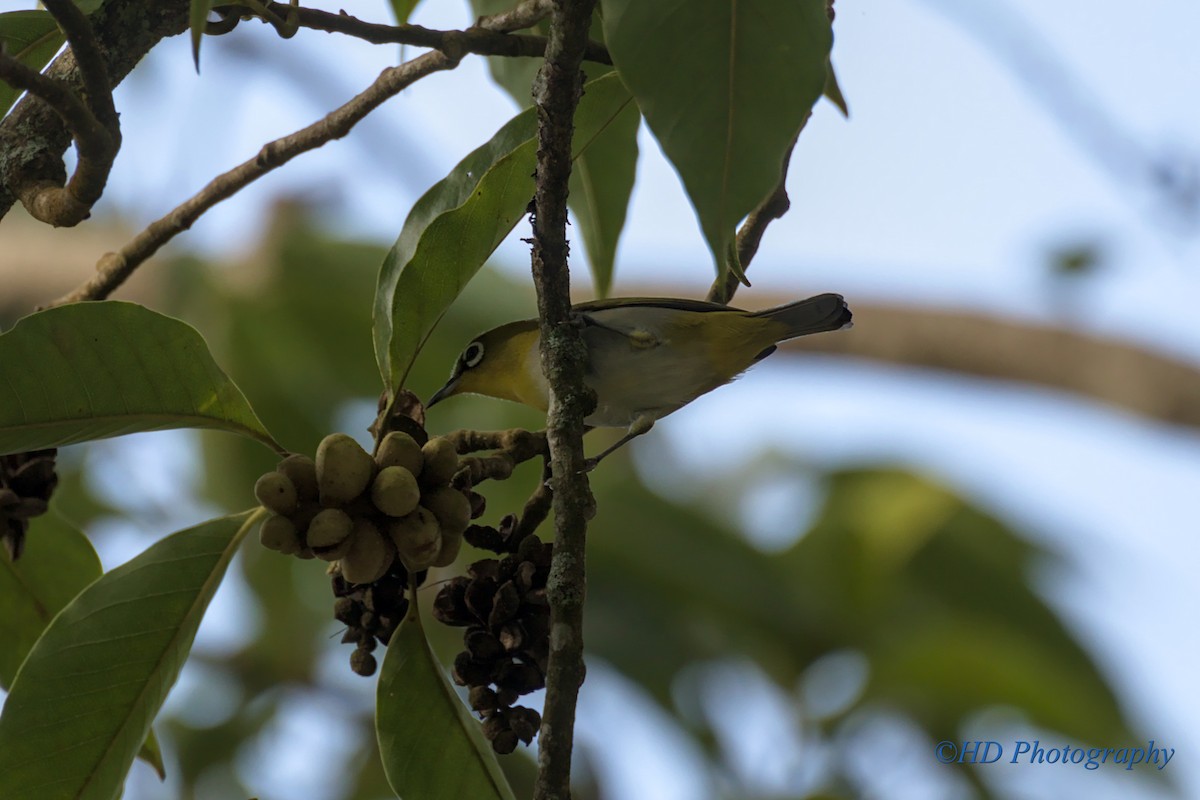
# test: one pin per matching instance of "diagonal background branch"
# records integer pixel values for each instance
(114, 269)
(1108, 370)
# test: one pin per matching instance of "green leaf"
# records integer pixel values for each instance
(151, 753)
(601, 183)
(82, 703)
(58, 563)
(93, 370)
(31, 37)
(725, 87)
(456, 225)
(833, 91)
(402, 10)
(198, 22)
(432, 748)
(513, 75)
(603, 176)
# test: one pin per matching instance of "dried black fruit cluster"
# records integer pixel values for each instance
(502, 604)
(371, 612)
(26, 482)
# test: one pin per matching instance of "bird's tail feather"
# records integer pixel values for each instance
(825, 312)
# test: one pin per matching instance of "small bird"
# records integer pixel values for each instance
(646, 356)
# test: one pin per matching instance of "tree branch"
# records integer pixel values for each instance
(556, 94)
(113, 269)
(34, 136)
(92, 122)
(478, 39)
(94, 72)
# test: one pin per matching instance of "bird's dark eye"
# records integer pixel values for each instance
(472, 355)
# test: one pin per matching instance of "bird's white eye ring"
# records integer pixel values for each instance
(472, 355)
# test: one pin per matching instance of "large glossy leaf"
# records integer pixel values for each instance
(603, 175)
(456, 225)
(83, 701)
(31, 37)
(58, 563)
(432, 748)
(93, 370)
(724, 87)
(601, 183)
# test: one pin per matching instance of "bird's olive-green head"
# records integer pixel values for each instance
(501, 363)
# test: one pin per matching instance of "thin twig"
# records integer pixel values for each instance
(478, 39)
(78, 32)
(556, 95)
(69, 106)
(536, 509)
(510, 448)
(113, 269)
(749, 236)
(519, 17)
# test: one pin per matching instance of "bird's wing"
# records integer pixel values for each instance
(617, 330)
(678, 304)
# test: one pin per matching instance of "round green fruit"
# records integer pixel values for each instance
(451, 507)
(302, 471)
(276, 492)
(278, 533)
(344, 469)
(395, 491)
(328, 534)
(398, 449)
(448, 551)
(441, 461)
(370, 554)
(417, 537)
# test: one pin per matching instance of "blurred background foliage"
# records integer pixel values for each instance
(893, 600)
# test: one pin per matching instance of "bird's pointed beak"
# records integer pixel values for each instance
(446, 391)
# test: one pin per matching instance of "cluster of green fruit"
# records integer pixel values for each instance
(363, 511)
